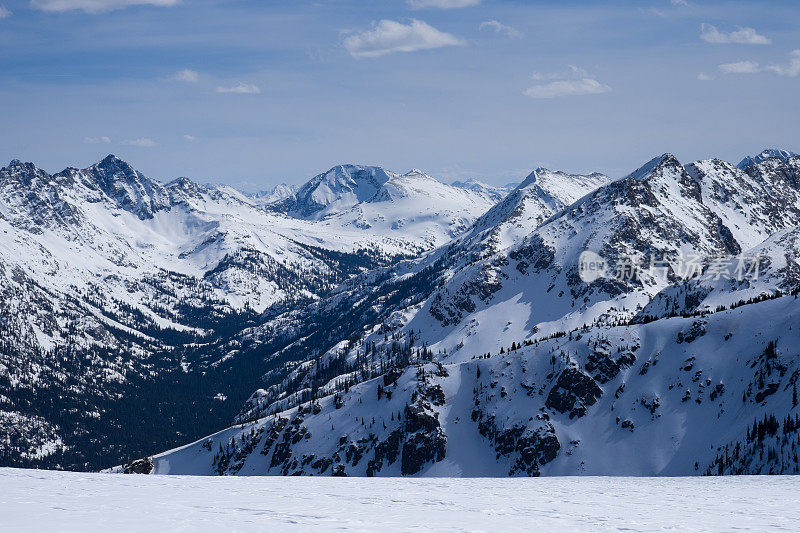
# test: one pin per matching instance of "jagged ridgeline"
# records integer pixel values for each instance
(394, 325)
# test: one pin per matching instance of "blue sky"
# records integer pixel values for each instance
(253, 93)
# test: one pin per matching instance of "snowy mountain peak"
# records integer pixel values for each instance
(182, 188)
(660, 162)
(490, 191)
(111, 159)
(563, 185)
(182, 182)
(112, 165)
(18, 172)
(130, 189)
(17, 166)
(769, 153)
(273, 194)
(339, 188)
(415, 171)
(542, 194)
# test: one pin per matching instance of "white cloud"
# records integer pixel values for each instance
(441, 4)
(97, 140)
(4, 13)
(388, 36)
(96, 6)
(141, 142)
(500, 28)
(190, 138)
(240, 88)
(792, 69)
(187, 75)
(554, 89)
(704, 77)
(711, 34)
(679, 2)
(740, 67)
(573, 82)
(571, 72)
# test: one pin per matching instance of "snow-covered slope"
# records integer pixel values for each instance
(37, 500)
(673, 397)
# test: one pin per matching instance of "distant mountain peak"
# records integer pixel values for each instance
(112, 161)
(339, 188)
(662, 161)
(414, 171)
(768, 153)
(553, 180)
(273, 194)
(132, 190)
(19, 166)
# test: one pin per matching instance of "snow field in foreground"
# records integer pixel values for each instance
(37, 500)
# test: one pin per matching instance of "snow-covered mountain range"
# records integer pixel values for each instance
(393, 324)
(109, 276)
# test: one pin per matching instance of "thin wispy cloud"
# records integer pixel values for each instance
(186, 75)
(792, 69)
(711, 34)
(704, 77)
(740, 67)
(143, 142)
(654, 11)
(573, 82)
(190, 138)
(679, 2)
(240, 88)
(388, 36)
(4, 13)
(441, 4)
(499, 27)
(96, 6)
(97, 140)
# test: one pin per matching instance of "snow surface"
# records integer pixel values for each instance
(36, 500)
